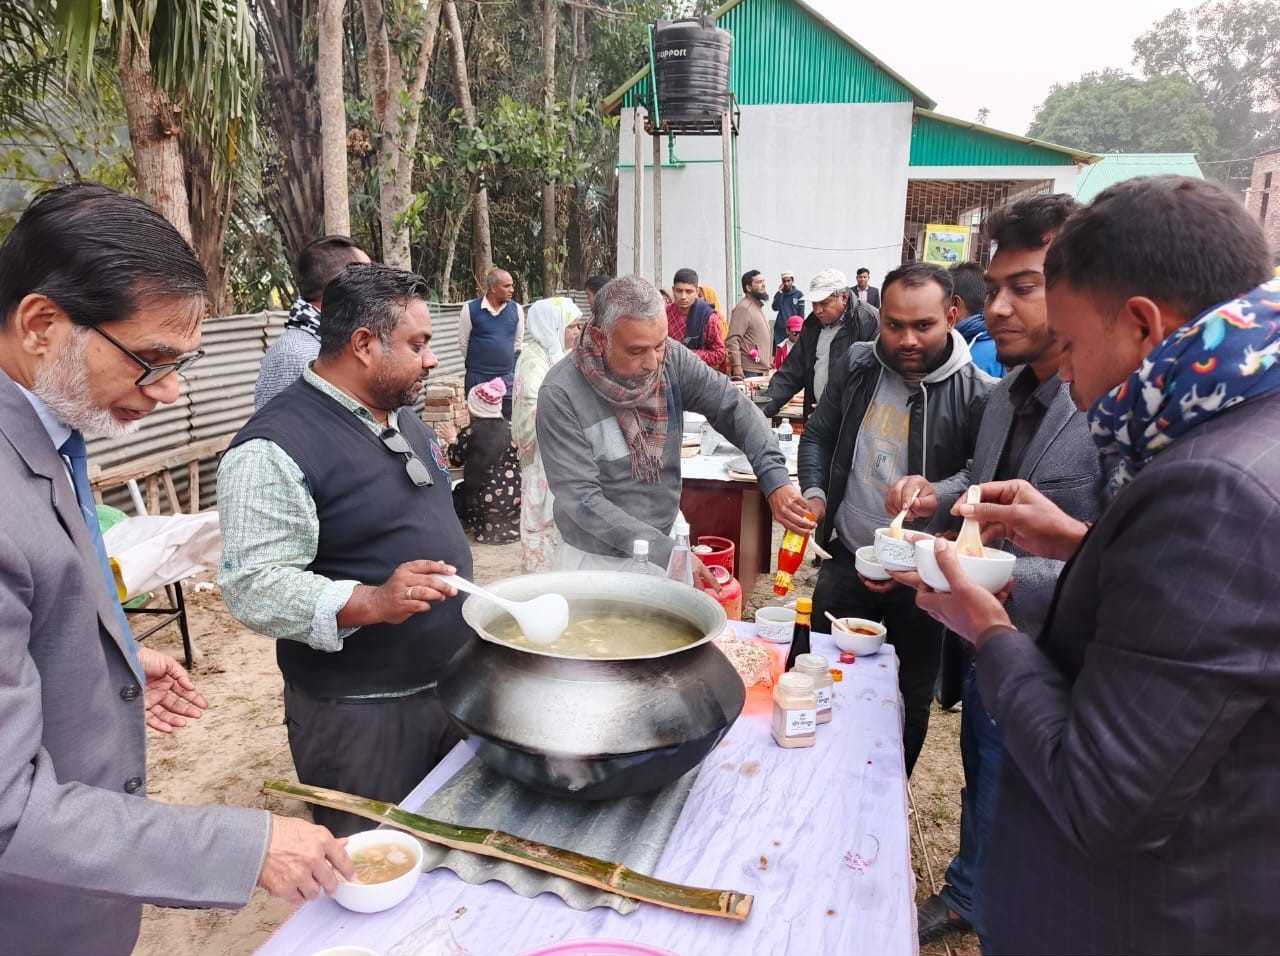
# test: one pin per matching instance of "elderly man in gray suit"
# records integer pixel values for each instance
(1139, 804)
(1031, 430)
(100, 304)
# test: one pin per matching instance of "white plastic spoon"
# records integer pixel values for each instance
(969, 540)
(895, 526)
(837, 622)
(542, 620)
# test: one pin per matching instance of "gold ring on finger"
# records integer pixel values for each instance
(409, 593)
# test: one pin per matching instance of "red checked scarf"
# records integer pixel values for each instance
(641, 410)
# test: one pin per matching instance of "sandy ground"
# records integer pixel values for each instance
(240, 742)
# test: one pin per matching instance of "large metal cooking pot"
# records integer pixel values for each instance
(593, 728)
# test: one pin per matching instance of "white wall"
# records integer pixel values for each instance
(820, 186)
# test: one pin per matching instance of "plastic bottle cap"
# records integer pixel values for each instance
(641, 546)
(797, 682)
(811, 662)
(804, 605)
(681, 528)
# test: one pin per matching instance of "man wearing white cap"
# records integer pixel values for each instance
(838, 320)
(787, 301)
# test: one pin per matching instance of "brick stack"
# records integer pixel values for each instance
(446, 402)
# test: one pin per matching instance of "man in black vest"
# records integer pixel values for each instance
(693, 322)
(330, 500)
(490, 333)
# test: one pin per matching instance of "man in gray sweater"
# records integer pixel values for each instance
(609, 425)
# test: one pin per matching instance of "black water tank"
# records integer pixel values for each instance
(691, 58)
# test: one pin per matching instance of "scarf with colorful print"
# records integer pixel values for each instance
(1225, 357)
(641, 409)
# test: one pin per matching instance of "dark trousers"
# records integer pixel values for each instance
(915, 636)
(377, 748)
(982, 753)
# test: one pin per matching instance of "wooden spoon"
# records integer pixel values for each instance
(895, 526)
(969, 541)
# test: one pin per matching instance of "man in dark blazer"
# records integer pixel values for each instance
(1030, 430)
(1139, 808)
(100, 305)
(863, 290)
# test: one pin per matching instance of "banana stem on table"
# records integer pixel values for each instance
(601, 874)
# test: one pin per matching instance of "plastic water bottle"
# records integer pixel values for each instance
(785, 432)
(680, 567)
(640, 557)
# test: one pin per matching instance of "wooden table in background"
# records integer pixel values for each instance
(730, 509)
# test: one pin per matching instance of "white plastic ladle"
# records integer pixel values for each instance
(542, 620)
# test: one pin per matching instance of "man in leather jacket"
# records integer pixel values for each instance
(907, 404)
(833, 307)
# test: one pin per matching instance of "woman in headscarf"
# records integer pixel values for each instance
(708, 295)
(547, 325)
(490, 489)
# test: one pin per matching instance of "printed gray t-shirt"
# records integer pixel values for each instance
(879, 460)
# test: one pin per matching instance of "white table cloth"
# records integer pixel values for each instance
(818, 835)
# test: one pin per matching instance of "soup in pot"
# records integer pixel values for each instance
(604, 629)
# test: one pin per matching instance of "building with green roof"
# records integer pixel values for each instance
(839, 161)
(1117, 167)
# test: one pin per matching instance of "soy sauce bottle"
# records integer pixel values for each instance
(800, 633)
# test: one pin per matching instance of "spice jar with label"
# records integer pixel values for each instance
(814, 666)
(795, 711)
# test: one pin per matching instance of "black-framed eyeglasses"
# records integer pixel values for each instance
(153, 373)
(414, 467)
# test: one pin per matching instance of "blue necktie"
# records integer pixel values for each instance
(73, 449)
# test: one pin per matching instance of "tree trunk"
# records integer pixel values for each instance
(482, 245)
(292, 179)
(550, 238)
(154, 125)
(396, 111)
(453, 226)
(333, 118)
(210, 210)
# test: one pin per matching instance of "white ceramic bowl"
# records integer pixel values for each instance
(991, 571)
(776, 624)
(864, 559)
(898, 554)
(859, 644)
(376, 897)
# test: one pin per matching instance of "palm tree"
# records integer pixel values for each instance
(188, 74)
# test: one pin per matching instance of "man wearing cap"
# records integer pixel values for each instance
(794, 324)
(838, 320)
(750, 341)
(788, 301)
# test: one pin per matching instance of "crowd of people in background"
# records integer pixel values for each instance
(1110, 382)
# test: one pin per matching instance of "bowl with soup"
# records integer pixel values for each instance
(633, 695)
(387, 863)
(859, 636)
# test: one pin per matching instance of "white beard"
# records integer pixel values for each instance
(62, 383)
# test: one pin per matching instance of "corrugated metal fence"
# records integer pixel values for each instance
(218, 395)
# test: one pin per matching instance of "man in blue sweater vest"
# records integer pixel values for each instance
(490, 333)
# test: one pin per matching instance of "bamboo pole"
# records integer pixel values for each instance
(637, 256)
(657, 209)
(726, 166)
(589, 871)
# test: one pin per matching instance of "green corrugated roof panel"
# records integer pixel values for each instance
(784, 52)
(1117, 167)
(938, 140)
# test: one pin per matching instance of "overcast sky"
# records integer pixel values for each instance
(1001, 54)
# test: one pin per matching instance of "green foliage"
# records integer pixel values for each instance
(1112, 112)
(1229, 50)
